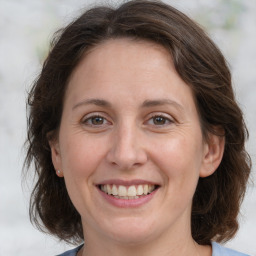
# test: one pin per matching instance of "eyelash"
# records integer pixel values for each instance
(88, 121)
(166, 119)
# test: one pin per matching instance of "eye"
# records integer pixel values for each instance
(159, 120)
(95, 120)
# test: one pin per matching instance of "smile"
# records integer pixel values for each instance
(128, 192)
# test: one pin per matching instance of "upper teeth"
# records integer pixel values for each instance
(127, 190)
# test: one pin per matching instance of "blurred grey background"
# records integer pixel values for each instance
(26, 27)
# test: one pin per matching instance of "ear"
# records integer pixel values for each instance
(213, 153)
(56, 156)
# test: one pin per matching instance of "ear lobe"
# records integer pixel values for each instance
(214, 150)
(56, 156)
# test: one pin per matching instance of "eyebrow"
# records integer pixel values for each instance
(162, 102)
(145, 104)
(97, 102)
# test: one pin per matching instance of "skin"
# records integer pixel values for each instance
(128, 142)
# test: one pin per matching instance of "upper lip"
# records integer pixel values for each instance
(126, 182)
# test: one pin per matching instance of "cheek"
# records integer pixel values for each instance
(180, 158)
(80, 160)
(81, 156)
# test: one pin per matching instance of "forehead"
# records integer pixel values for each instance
(122, 52)
(126, 67)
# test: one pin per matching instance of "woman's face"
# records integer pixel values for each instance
(130, 145)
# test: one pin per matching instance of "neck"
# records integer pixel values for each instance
(177, 245)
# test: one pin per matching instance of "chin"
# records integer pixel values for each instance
(131, 232)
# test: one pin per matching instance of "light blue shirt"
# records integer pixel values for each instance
(217, 250)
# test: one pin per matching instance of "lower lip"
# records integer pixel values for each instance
(127, 203)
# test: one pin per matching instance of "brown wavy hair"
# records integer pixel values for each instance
(199, 63)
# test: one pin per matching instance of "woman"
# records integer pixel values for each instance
(137, 140)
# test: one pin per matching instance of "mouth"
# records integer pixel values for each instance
(128, 192)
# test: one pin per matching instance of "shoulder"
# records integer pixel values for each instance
(71, 252)
(218, 250)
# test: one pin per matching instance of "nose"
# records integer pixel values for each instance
(127, 150)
